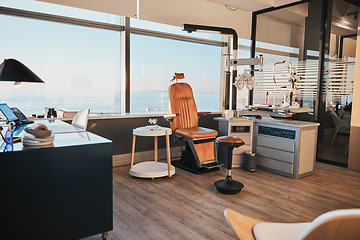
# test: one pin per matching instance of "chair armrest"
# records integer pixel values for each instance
(203, 113)
(170, 117)
(241, 224)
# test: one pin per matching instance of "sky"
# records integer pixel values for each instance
(81, 65)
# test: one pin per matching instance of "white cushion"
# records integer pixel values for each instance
(279, 231)
(336, 215)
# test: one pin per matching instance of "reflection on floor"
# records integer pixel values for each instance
(334, 153)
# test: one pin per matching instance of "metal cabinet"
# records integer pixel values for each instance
(287, 148)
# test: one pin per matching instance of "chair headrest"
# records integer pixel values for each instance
(179, 75)
(180, 90)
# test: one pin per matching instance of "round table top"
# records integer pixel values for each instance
(152, 131)
(150, 169)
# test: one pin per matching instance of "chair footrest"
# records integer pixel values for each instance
(211, 165)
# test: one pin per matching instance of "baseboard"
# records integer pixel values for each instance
(124, 159)
(332, 162)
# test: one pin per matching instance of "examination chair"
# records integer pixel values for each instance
(333, 225)
(199, 155)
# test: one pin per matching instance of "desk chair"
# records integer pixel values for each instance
(339, 124)
(333, 225)
(80, 120)
(199, 155)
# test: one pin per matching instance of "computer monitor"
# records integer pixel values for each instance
(8, 113)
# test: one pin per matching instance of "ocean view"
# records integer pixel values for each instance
(141, 102)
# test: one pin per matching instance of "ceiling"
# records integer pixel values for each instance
(344, 17)
(118, 7)
(253, 5)
(129, 7)
(228, 13)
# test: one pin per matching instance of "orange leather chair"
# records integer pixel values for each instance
(199, 155)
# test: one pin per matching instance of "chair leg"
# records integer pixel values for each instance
(333, 140)
(241, 224)
(105, 235)
(133, 152)
(347, 149)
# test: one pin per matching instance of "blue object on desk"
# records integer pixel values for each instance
(9, 147)
(9, 135)
(8, 113)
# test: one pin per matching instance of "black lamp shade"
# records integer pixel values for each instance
(13, 70)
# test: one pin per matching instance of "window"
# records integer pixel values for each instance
(49, 8)
(79, 65)
(153, 63)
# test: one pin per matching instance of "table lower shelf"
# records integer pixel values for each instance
(151, 169)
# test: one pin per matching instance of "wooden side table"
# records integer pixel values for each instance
(152, 169)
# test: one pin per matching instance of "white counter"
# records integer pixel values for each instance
(286, 147)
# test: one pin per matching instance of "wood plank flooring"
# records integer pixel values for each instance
(187, 206)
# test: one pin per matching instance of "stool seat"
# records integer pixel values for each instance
(230, 141)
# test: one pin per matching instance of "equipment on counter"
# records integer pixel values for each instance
(293, 79)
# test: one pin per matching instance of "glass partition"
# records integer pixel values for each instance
(296, 40)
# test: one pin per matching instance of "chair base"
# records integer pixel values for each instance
(228, 186)
(189, 163)
(192, 168)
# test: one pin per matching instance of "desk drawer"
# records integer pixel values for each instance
(274, 164)
(277, 143)
(275, 154)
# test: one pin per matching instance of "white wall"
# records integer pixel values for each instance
(349, 48)
(279, 32)
(172, 12)
(118, 7)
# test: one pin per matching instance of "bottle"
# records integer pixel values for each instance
(9, 135)
(267, 98)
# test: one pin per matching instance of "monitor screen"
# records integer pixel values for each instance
(8, 113)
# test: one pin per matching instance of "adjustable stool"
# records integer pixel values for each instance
(228, 185)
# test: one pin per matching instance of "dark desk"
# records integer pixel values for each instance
(60, 192)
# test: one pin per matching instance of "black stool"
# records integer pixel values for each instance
(228, 185)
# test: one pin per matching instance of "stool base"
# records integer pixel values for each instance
(228, 186)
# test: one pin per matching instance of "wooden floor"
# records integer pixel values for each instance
(187, 206)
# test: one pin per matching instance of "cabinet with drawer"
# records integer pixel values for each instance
(286, 147)
(242, 128)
